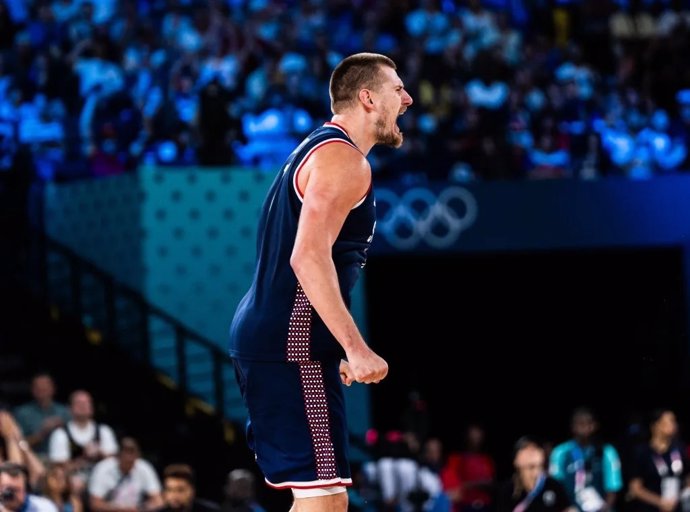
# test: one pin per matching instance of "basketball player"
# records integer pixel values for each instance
(293, 340)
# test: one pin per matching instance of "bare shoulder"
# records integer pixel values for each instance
(341, 155)
(337, 164)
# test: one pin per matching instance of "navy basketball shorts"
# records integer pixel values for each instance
(296, 424)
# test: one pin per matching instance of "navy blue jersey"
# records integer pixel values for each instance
(274, 321)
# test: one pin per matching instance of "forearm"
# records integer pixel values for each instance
(100, 505)
(639, 492)
(36, 437)
(33, 463)
(153, 502)
(319, 281)
(611, 498)
(13, 451)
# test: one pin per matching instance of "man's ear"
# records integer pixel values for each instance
(365, 97)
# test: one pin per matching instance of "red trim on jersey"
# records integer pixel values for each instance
(344, 482)
(331, 123)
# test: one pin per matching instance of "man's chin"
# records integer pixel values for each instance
(393, 141)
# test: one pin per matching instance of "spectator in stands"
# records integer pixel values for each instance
(631, 24)
(469, 475)
(430, 493)
(8, 27)
(363, 494)
(179, 62)
(215, 124)
(531, 488)
(125, 482)
(240, 492)
(17, 449)
(405, 484)
(589, 468)
(547, 160)
(660, 469)
(393, 471)
(180, 492)
(83, 441)
(59, 487)
(42, 414)
(15, 494)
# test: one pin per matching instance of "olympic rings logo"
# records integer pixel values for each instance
(420, 215)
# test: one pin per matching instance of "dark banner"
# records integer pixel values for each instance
(559, 214)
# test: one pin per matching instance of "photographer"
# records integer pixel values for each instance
(14, 491)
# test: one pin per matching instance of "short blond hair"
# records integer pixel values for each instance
(354, 73)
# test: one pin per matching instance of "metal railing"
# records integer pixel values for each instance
(116, 313)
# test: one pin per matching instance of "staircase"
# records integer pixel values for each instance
(131, 396)
(151, 377)
(113, 313)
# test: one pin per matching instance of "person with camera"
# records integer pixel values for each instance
(15, 494)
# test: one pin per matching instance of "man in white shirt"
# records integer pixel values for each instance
(125, 482)
(82, 442)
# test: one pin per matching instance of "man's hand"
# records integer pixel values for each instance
(369, 368)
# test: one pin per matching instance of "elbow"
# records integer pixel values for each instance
(309, 260)
(296, 264)
(299, 262)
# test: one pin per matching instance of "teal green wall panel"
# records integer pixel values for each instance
(184, 238)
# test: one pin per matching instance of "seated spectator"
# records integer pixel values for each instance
(179, 491)
(42, 414)
(125, 482)
(631, 20)
(363, 495)
(548, 160)
(240, 492)
(531, 488)
(82, 442)
(272, 132)
(59, 487)
(659, 469)
(674, 18)
(469, 474)
(588, 467)
(15, 493)
(405, 484)
(667, 153)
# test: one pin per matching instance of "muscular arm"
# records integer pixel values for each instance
(332, 181)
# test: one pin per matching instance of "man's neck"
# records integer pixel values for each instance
(82, 423)
(45, 403)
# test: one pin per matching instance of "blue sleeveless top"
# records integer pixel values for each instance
(274, 321)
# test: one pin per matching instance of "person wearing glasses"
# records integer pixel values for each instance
(531, 488)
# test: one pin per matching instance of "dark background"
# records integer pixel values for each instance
(517, 340)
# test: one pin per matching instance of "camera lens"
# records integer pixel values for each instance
(7, 494)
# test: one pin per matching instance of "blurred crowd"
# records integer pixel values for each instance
(504, 88)
(61, 457)
(645, 468)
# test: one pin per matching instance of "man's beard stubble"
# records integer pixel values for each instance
(386, 136)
